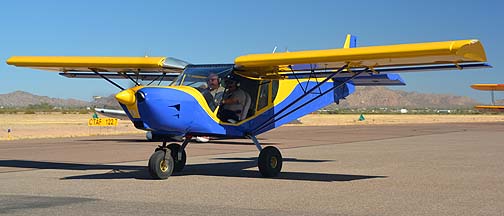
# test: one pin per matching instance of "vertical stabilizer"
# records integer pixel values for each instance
(350, 42)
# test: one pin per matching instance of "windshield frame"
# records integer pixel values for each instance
(196, 75)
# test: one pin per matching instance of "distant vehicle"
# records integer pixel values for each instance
(274, 89)
(443, 111)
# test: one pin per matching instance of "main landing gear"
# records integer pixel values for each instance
(270, 159)
(167, 159)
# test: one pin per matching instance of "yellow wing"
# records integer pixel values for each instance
(488, 87)
(102, 64)
(374, 57)
(490, 107)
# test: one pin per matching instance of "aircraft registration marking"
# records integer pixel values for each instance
(103, 122)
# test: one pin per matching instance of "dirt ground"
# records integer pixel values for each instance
(51, 125)
(29, 126)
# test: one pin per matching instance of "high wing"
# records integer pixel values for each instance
(146, 68)
(457, 54)
(492, 88)
(488, 87)
(490, 107)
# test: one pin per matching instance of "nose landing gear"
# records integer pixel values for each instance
(167, 159)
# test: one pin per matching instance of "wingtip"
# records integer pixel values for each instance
(473, 49)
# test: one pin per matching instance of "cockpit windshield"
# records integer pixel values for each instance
(207, 80)
(197, 76)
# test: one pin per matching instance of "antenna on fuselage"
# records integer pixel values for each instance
(274, 49)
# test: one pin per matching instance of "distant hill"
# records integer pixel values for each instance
(24, 99)
(108, 102)
(364, 97)
(372, 96)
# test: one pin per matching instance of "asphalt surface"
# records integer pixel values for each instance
(429, 169)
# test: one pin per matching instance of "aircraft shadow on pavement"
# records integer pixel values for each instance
(235, 168)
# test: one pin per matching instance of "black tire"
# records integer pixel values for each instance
(159, 167)
(270, 162)
(179, 164)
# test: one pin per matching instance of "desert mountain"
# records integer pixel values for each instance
(364, 97)
(24, 99)
(371, 96)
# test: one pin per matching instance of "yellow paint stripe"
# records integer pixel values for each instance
(347, 41)
(197, 95)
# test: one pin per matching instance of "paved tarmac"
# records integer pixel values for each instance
(428, 169)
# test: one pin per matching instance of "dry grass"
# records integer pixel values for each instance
(29, 126)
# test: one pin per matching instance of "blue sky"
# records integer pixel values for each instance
(219, 31)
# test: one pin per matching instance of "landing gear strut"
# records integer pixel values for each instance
(167, 159)
(269, 161)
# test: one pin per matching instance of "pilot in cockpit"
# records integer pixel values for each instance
(235, 102)
(215, 89)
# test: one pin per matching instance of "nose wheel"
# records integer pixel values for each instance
(167, 159)
(161, 164)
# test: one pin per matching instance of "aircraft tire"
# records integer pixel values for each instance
(270, 162)
(159, 167)
(179, 164)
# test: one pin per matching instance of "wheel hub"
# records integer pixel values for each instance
(273, 162)
(163, 166)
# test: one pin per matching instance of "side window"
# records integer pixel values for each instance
(262, 100)
(274, 90)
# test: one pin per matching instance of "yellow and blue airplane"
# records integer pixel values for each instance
(280, 87)
(492, 88)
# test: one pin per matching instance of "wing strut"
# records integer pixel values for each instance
(132, 80)
(493, 97)
(104, 77)
(272, 118)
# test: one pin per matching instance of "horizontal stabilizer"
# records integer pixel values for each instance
(120, 114)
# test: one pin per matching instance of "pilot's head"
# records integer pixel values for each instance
(231, 82)
(213, 81)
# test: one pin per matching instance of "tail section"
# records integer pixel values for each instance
(350, 41)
